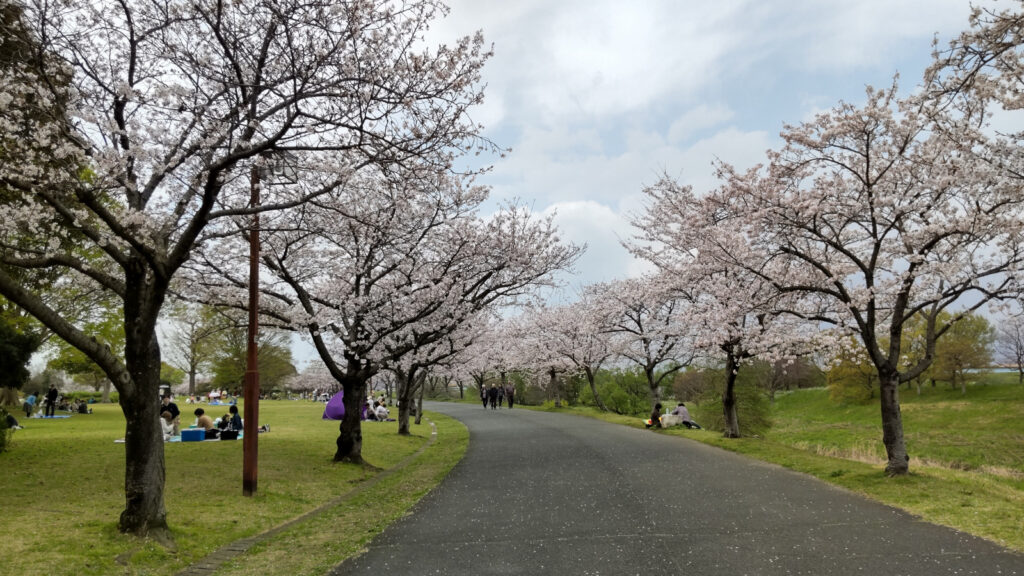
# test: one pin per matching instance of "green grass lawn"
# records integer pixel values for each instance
(61, 488)
(982, 430)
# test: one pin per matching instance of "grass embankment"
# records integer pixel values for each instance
(61, 490)
(967, 452)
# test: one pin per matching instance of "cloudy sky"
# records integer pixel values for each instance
(598, 97)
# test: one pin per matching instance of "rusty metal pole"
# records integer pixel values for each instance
(250, 436)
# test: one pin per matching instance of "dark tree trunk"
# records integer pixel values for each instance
(732, 421)
(419, 403)
(350, 437)
(403, 387)
(406, 384)
(192, 381)
(593, 389)
(652, 385)
(892, 426)
(144, 513)
(553, 386)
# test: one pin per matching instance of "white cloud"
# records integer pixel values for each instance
(602, 229)
(598, 97)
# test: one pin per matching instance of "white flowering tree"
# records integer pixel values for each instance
(646, 322)
(132, 128)
(573, 335)
(385, 268)
(880, 221)
(732, 312)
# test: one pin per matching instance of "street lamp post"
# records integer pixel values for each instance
(250, 436)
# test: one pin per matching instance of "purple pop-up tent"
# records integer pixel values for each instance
(335, 409)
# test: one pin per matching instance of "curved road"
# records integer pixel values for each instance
(541, 493)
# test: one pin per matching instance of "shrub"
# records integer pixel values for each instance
(752, 409)
(620, 401)
(691, 384)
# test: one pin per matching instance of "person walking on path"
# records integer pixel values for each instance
(483, 395)
(510, 392)
(501, 396)
(492, 397)
(51, 399)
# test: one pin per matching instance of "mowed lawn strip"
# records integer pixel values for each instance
(62, 488)
(322, 542)
(966, 451)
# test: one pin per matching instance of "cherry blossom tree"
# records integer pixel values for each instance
(646, 322)
(389, 265)
(574, 335)
(131, 128)
(731, 311)
(878, 220)
(433, 349)
(1010, 343)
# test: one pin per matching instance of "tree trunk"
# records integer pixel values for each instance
(106, 392)
(892, 426)
(732, 422)
(406, 386)
(8, 396)
(1020, 375)
(350, 437)
(652, 385)
(144, 513)
(192, 381)
(419, 403)
(593, 389)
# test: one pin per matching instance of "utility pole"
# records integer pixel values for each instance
(250, 436)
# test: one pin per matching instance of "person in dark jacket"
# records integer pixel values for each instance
(51, 399)
(236, 420)
(655, 421)
(492, 397)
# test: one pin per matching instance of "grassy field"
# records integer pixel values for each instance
(967, 452)
(982, 430)
(61, 490)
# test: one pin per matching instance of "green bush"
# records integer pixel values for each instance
(622, 402)
(752, 410)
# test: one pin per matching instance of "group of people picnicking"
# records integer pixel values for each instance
(52, 402)
(375, 410)
(231, 421)
(496, 396)
(679, 415)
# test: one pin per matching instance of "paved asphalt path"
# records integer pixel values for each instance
(541, 493)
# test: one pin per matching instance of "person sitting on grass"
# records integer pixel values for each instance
(381, 412)
(12, 422)
(684, 416)
(236, 420)
(655, 421)
(167, 425)
(202, 420)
